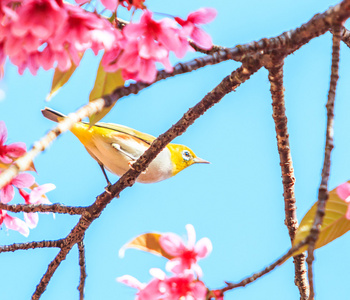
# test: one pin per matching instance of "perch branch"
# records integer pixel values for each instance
(323, 190)
(228, 84)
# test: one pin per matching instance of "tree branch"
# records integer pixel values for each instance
(32, 245)
(268, 269)
(323, 190)
(53, 208)
(286, 163)
(81, 285)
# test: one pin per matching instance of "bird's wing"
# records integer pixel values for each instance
(147, 138)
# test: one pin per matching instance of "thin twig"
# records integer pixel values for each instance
(32, 245)
(323, 190)
(81, 285)
(228, 84)
(53, 208)
(268, 269)
(286, 163)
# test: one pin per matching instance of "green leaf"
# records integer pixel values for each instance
(148, 242)
(60, 79)
(105, 84)
(334, 222)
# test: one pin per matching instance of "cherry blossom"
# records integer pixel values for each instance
(8, 152)
(13, 223)
(148, 291)
(22, 180)
(343, 192)
(40, 18)
(180, 286)
(186, 256)
(190, 28)
(36, 196)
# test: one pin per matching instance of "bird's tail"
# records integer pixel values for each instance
(52, 115)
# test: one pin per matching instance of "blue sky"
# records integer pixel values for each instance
(236, 201)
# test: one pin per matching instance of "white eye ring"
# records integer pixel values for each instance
(186, 155)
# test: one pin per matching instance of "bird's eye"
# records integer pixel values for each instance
(186, 155)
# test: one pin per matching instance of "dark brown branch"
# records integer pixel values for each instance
(53, 208)
(81, 285)
(323, 190)
(32, 245)
(228, 84)
(286, 163)
(268, 269)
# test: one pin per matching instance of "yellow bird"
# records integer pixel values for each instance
(116, 147)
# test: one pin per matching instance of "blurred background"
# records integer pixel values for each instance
(236, 201)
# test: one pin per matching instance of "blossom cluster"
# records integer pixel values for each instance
(53, 33)
(183, 283)
(22, 181)
(149, 41)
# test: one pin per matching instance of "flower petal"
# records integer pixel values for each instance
(3, 133)
(16, 149)
(202, 15)
(172, 244)
(16, 224)
(38, 192)
(191, 233)
(7, 193)
(203, 247)
(23, 180)
(31, 219)
(201, 38)
(131, 281)
(343, 190)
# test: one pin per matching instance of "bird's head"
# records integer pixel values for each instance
(183, 157)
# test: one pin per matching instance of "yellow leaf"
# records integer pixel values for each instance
(334, 223)
(148, 242)
(60, 79)
(105, 84)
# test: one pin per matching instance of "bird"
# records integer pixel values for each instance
(116, 147)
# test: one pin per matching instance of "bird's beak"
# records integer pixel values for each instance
(198, 160)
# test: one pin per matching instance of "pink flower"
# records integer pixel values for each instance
(110, 4)
(186, 256)
(36, 196)
(148, 291)
(40, 18)
(156, 38)
(8, 152)
(22, 180)
(190, 28)
(182, 286)
(133, 3)
(81, 31)
(343, 192)
(14, 223)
